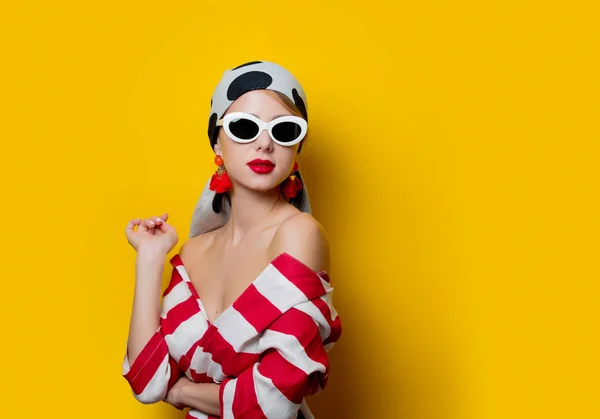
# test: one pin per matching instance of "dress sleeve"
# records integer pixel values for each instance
(153, 372)
(293, 364)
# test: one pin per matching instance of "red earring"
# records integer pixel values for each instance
(220, 179)
(292, 184)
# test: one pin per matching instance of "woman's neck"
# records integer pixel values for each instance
(250, 211)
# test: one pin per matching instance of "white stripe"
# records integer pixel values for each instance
(306, 410)
(273, 402)
(197, 414)
(313, 311)
(125, 367)
(156, 389)
(291, 349)
(186, 278)
(328, 300)
(186, 334)
(202, 362)
(183, 273)
(236, 330)
(178, 294)
(326, 285)
(228, 394)
(278, 289)
(329, 346)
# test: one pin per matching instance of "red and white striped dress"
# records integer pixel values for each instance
(267, 351)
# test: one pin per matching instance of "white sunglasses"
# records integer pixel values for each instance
(244, 128)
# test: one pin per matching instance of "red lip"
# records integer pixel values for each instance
(261, 166)
(262, 162)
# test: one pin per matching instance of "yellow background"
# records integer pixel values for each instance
(453, 159)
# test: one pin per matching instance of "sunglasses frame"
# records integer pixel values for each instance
(224, 122)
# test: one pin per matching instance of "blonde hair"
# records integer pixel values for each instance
(290, 106)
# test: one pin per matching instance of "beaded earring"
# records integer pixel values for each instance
(220, 179)
(292, 184)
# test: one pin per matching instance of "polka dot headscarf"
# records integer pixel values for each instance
(254, 75)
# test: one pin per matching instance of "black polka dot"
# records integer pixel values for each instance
(211, 102)
(299, 104)
(212, 124)
(253, 80)
(245, 64)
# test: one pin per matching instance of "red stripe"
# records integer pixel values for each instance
(256, 308)
(290, 380)
(245, 403)
(304, 278)
(176, 260)
(147, 363)
(300, 325)
(200, 378)
(176, 373)
(185, 361)
(336, 331)
(223, 353)
(175, 280)
(335, 325)
(178, 314)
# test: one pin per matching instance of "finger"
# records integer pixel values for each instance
(148, 223)
(164, 227)
(131, 225)
(164, 217)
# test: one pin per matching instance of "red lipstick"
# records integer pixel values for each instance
(261, 166)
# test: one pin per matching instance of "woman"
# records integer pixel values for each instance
(247, 319)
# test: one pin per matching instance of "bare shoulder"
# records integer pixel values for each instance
(304, 238)
(196, 245)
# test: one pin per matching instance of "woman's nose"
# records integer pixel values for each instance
(263, 142)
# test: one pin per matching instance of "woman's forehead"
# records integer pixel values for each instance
(262, 103)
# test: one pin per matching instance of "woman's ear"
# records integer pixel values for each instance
(217, 148)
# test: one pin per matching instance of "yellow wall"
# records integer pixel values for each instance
(453, 161)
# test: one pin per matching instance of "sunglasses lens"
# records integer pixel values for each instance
(286, 132)
(243, 128)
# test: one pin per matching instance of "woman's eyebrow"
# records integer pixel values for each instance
(276, 116)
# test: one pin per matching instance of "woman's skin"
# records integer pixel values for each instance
(222, 263)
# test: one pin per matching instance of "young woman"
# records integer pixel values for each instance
(247, 320)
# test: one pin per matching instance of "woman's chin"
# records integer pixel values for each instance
(262, 185)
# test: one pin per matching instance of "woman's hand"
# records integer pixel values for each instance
(153, 234)
(174, 395)
(203, 397)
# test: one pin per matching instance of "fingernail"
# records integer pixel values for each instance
(151, 223)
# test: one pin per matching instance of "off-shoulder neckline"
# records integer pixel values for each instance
(177, 261)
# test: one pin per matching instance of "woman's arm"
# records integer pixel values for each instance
(294, 364)
(200, 396)
(152, 370)
(146, 300)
